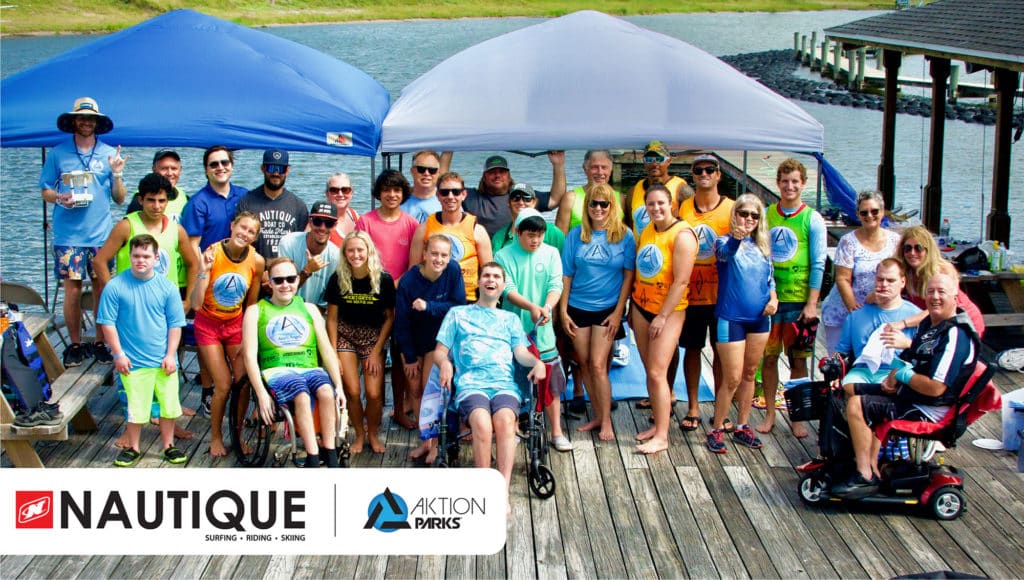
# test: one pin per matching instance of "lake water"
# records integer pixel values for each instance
(395, 53)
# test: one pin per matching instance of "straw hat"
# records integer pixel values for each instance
(85, 106)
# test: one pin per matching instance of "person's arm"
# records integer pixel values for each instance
(403, 328)
(817, 239)
(204, 267)
(523, 356)
(188, 256)
(121, 363)
(170, 361)
(563, 219)
(568, 325)
(455, 293)
(445, 163)
(117, 188)
(250, 340)
(845, 255)
(726, 247)
(328, 356)
(374, 364)
(557, 159)
(483, 245)
(117, 239)
(257, 278)
(416, 245)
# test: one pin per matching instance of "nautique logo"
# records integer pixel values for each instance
(33, 509)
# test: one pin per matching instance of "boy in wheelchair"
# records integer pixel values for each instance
(923, 383)
(282, 336)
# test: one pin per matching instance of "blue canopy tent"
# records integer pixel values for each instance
(185, 79)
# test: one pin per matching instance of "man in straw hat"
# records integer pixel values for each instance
(79, 229)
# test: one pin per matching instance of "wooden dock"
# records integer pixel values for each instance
(683, 513)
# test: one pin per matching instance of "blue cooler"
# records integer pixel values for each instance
(1013, 418)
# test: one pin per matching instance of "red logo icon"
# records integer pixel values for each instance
(34, 509)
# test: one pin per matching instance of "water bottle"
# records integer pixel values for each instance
(944, 233)
(995, 260)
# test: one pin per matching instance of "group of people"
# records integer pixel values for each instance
(302, 302)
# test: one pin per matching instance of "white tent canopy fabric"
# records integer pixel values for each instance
(588, 80)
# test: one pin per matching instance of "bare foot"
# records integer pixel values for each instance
(645, 435)
(799, 430)
(606, 433)
(375, 444)
(431, 456)
(419, 452)
(181, 432)
(653, 446)
(589, 426)
(188, 411)
(766, 426)
(217, 448)
(357, 445)
(405, 422)
(122, 442)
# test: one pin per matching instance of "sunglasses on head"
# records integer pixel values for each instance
(601, 203)
(746, 213)
(425, 169)
(520, 196)
(219, 163)
(323, 222)
(654, 158)
(446, 191)
(278, 280)
(705, 170)
(276, 168)
(873, 212)
(913, 248)
(339, 190)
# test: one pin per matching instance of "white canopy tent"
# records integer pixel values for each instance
(589, 80)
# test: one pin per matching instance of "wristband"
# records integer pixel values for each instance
(118, 175)
(118, 355)
(904, 375)
(201, 277)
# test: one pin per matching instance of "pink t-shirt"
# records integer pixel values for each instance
(391, 238)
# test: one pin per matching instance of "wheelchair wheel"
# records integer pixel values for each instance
(810, 489)
(542, 481)
(947, 503)
(250, 436)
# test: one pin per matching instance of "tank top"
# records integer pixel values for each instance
(463, 247)
(636, 201)
(707, 226)
(167, 256)
(654, 267)
(229, 283)
(788, 237)
(286, 335)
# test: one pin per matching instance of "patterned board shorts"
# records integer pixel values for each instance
(73, 262)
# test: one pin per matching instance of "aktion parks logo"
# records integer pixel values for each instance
(387, 512)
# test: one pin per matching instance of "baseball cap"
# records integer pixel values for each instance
(323, 209)
(275, 157)
(656, 146)
(705, 157)
(526, 213)
(495, 162)
(166, 153)
(525, 189)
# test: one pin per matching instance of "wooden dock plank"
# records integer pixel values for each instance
(573, 519)
(668, 562)
(707, 520)
(607, 560)
(765, 524)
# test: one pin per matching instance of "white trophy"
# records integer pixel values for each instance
(78, 182)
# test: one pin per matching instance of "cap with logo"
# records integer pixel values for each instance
(275, 157)
(495, 162)
(323, 209)
(524, 189)
(658, 148)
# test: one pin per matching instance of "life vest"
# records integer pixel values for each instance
(707, 226)
(789, 239)
(229, 283)
(24, 380)
(654, 267)
(286, 336)
(639, 210)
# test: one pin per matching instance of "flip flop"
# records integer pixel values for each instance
(727, 425)
(642, 404)
(689, 423)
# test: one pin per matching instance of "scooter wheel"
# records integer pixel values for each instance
(542, 481)
(947, 503)
(811, 488)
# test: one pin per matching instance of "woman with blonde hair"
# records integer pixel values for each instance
(360, 313)
(598, 261)
(746, 301)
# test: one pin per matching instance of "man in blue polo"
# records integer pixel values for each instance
(81, 223)
(208, 214)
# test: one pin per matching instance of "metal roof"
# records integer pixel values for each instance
(985, 32)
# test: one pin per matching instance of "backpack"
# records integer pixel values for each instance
(24, 380)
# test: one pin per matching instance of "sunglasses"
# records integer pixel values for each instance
(425, 169)
(339, 190)
(323, 222)
(452, 191)
(601, 203)
(654, 159)
(872, 212)
(913, 248)
(275, 168)
(520, 196)
(219, 163)
(706, 170)
(746, 213)
(278, 280)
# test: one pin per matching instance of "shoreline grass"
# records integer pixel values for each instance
(38, 17)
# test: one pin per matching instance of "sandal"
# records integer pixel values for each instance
(689, 423)
(727, 425)
(642, 404)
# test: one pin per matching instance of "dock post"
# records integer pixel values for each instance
(796, 45)
(862, 63)
(803, 49)
(931, 202)
(954, 82)
(824, 57)
(887, 168)
(837, 53)
(851, 78)
(814, 49)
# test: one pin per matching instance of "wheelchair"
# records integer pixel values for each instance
(532, 427)
(253, 441)
(915, 480)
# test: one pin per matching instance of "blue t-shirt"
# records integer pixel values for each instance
(421, 209)
(745, 279)
(481, 341)
(208, 215)
(294, 246)
(860, 323)
(142, 311)
(87, 226)
(596, 268)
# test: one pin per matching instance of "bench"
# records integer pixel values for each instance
(72, 388)
(1011, 319)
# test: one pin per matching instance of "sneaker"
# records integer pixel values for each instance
(578, 406)
(174, 455)
(127, 458)
(312, 461)
(34, 419)
(102, 354)
(561, 443)
(51, 409)
(75, 354)
(745, 436)
(620, 354)
(204, 408)
(715, 441)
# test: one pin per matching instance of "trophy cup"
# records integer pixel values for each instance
(78, 182)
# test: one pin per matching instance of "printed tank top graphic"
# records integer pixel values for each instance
(458, 248)
(784, 244)
(229, 289)
(706, 237)
(288, 330)
(649, 261)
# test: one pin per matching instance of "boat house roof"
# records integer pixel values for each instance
(989, 33)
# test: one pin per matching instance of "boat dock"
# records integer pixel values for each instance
(682, 513)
